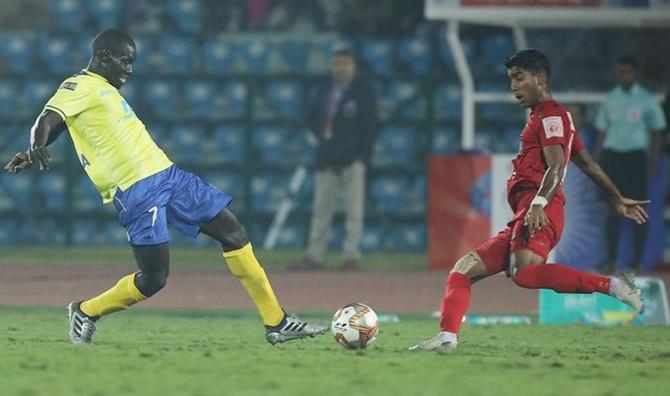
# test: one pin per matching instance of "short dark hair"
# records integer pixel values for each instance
(627, 60)
(111, 39)
(531, 60)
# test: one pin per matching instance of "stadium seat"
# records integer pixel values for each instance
(266, 192)
(8, 231)
(17, 50)
(235, 99)
(86, 232)
(218, 56)
(187, 15)
(373, 238)
(8, 94)
(177, 52)
(56, 52)
(447, 102)
(68, 13)
(394, 146)
(87, 197)
(416, 54)
(131, 93)
(294, 53)
(38, 92)
(406, 98)
(378, 55)
(19, 188)
(494, 49)
(200, 98)
(268, 144)
(285, 97)
(229, 182)
(410, 237)
(292, 236)
(52, 190)
(446, 141)
(107, 13)
(187, 139)
(159, 96)
(115, 233)
(254, 53)
(444, 51)
(416, 195)
(146, 46)
(229, 145)
(388, 194)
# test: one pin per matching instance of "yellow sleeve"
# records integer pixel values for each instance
(69, 100)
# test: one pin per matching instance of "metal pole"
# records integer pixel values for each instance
(467, 86)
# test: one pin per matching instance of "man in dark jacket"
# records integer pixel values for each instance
(343, 119)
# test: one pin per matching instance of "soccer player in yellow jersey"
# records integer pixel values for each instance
(147, 189)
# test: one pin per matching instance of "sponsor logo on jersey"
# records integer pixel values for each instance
(553, 126)
(69, 85)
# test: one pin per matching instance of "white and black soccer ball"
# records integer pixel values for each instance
(355, 326)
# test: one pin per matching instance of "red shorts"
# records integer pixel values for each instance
(497, 250)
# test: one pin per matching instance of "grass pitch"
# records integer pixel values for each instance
(168, 352)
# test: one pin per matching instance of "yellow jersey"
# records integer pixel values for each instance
(112, 144)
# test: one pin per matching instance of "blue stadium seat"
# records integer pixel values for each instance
(7, 202)
(178, 53)
(229, 144)
(131, 92)
(447, 102)
(295, 53)
(86, 232)
(401, 91)
(394, 146)
(235, 99)
(114, 233)
(285, 97)
(291, 236)
(378, 55)
(266, 192)
(161, 135)
(56, 52)
(200, 97)
(146, 46)
(416, 54)
(446, 141)
(8, 232)
(410, 237)
(373, 238)
(160, 97)
(443, 49)
(186, 14)
(218, 56)
(388, 194)
(416, 195)
(9, 92)
(297, 149)
(52, 189)
(19, 188)
(230, 182)
(16, 49)
(255, 54)
(38, 91)
(107, 13)
(268, 144)
(187, 140)
(495, 49)
(68, 13)
(86, 197)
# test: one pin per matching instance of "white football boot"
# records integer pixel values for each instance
(623, 288)
(292, 328)
(442, 342)
(82, 326)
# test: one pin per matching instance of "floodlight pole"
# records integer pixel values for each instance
(467, 86)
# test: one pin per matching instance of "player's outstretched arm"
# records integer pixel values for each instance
(626, 207)
(46, 129)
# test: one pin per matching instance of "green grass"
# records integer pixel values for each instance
(155, 352)
(188, 257)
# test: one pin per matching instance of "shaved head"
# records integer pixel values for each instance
(113, 40)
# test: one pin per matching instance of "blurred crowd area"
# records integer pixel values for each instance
(222, 87)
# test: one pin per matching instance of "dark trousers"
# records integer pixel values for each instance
(628, 171)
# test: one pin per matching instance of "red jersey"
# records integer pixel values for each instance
(549, 123)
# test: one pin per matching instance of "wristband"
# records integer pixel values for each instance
(539, 200)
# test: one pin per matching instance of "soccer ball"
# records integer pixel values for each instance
(354, 326)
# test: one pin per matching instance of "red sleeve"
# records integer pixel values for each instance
(577, 144)
(554, 128)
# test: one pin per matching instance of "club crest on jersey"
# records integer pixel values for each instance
(69, 85)
(553, 126)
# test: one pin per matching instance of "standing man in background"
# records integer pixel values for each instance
(626, 121)
(343, 118)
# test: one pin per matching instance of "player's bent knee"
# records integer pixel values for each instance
(470, 265)
(520, 260)
(150, 283)
(236, 239)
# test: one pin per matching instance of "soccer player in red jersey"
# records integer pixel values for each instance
(535, 194)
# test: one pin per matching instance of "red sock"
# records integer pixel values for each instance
(562, 279)
(455, 302)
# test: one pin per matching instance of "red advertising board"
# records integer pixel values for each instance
(458, 207)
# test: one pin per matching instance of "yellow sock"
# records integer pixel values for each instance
(121, 296)
(245, 267)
